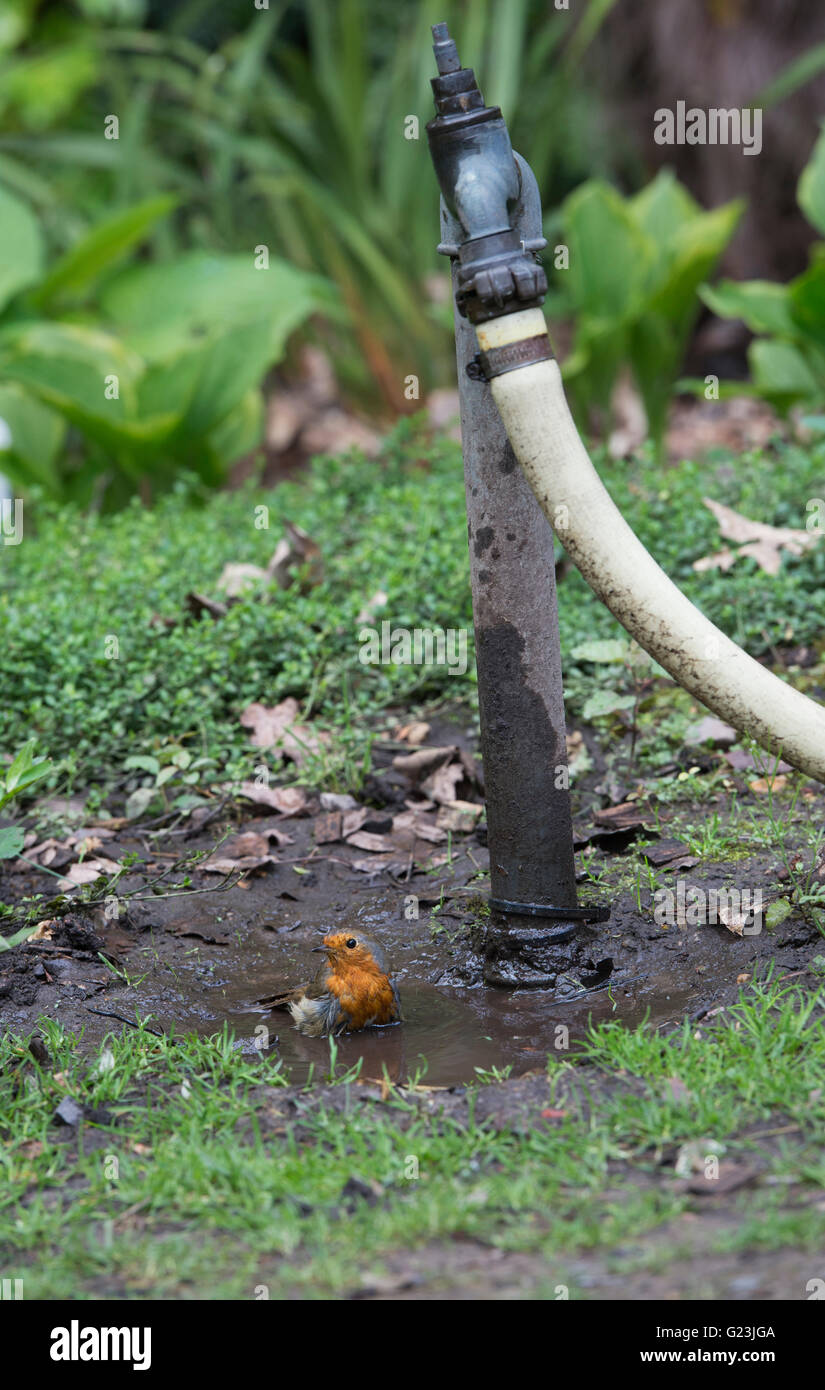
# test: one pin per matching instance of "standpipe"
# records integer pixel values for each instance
(516, 359)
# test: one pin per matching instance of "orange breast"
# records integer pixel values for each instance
(364, 997)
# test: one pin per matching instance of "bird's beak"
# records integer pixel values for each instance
(319, 950)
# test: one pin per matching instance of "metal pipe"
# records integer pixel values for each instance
(491, 228)
(502, 298)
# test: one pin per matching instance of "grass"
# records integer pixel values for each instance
(396, 526)
(204, 1183)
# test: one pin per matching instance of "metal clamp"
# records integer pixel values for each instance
(558, 914)
(508, 358)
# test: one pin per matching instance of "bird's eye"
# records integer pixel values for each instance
(352, 943)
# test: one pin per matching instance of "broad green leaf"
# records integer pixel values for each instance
(777, 913)
(15, 19)
(21, 246)
(37, 434)
(695, 248)
(781, 372)
(231, 365)
(42, 89)
(810, 191)
(166, 308)
(806, 298)
(242, 430)
(761, 304)
(661, 210)
(601, 650)
(100, 249)
(71, 368)
(143, 763)
(604, 702)
(610, 256)
(12, 840)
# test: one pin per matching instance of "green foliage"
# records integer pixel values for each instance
(22, 773)
(787, 363)
(396, 525)
(635, 265)
(153, 368)
(288, 126)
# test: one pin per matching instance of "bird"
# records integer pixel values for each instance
(352, 989)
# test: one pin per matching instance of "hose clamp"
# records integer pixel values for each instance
(508, 358)
(558, 914)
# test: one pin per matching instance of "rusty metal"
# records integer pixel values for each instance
(512, 575)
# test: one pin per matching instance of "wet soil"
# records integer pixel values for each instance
(198, 961)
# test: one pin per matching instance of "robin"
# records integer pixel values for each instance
(352, 990)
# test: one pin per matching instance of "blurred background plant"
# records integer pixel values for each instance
(787, 358)
(297, 130)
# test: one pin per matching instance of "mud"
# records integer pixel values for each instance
(194, 963)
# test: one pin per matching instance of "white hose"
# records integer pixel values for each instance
(628, 581)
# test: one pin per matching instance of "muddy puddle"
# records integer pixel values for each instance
(449, 1033)
(200, 961)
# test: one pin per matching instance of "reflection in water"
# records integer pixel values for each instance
(447, 1035)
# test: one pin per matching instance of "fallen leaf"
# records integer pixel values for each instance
(763, 785)
(763, 543)
(414, 734)
(337, 801)
(246, 851)
(461, 816)
(416, 766)
(87, 872)
(277, 726)
(710, 730)
(237, 580)
(676, 1090)
(295, 551)
(442, 783)
(328, 828)
(198, 604)
(290, 801)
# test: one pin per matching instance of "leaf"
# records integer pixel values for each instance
(170, 307)
(142, 763)
(777, 912)
(604, 702)
(139, 800)
(781, 372)
(23, 772)
(810, 191)
(37, 434)
(22, 246)
(100, 249)
(601, 650)
(11, 841)
(277, 727)
(762, 305)
(763, 543)
(609, 289)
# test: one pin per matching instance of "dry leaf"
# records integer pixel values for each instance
(290, 801)
(763, 785)
(763, 543)
(277, 726)
(249, 850)
(418, 765)
(458, 815)
(441, 785)
(293, 551)
(414, 734)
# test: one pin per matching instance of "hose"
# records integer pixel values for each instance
(620, 571)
